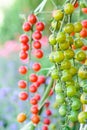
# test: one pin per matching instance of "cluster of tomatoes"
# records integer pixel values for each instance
(68, 52)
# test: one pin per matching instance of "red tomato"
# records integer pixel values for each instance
(23, 55)
(47, 121)
(37, 35)
(73, 47)
(84, 23)
(72, 34)
(47, 104)
(37, 84)
(41, 79)
(45, 127)
(34, 109)
(26, 27)
(36, 67)
(40, 26)
(84, 10)
(37, 97)
(36, 44)
(84, 48)
(33, 88)
(23, 70)
(83, 33)
(24, 38)
(48, 112)
(25, 47)
(23, 96)
(33, 78)
(35, 119)
(22, 84)
(76, 5)
(33, 101)
(32, 19)
(39, 54)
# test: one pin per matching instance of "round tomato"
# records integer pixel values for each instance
(61, 37)
(68, 8)
(80, 56)
(78, 43)
(66, 64)
(58, 88)
(60, 98)
(83, 98)
(54, 74)
(77, 27)
(69, 54)
(64, 46)
(69, 28)
(76, 104)
(52, 39)
(57, 15)
(63, 110)
(71, 91)
(21, 117)
(82, 117)
(58, 56)
(82, 73)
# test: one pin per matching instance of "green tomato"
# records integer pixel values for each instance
(76, 104)
(51, 57)
(82, 117)
(54, 74)
(61, 37)
(64, 46)
(55, 25)
(78, 43)
(82, 73)
(60, 98)
(66, 64)
(73, 116)
(58, 56)
(69, 54)
(73, 70)
(63, 110)
(52, 39)
(83, 98)
(85, 88)
(68, 8)
(71, 82)
(69, 28)
(80, 56)
(66, 76)
(77, 27)
(58, 15)
(71, 91)
(58, 88)
(70, 40)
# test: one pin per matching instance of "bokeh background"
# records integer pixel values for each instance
(12, 14)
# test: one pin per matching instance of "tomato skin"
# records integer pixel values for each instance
(23, 70)
(21, 117)
(76, 5)
(61, 37)
(33, 78)
(39, 54)
(47, 104)
(84, 10)
(25, 47)
(57, 15)
(69, 28)
(23, 55)
(64, 46)
(36, 67)
(32, 19)
(37, 35)
(33, 101)
(58, 88)
(36, 44)
(35, 119)
(73, 47)
(84, 23)
(37, 97)
(80, 56)
(34, 109)
(73, 70)
(68, 8)
(83, 98)
(83, 33)
(23, 96)
(26, 27)
(22, 84)
(32, 88)
(66, 76)
(47, 121)
(82, 117)
(77, 27)
(40, 26)
(84, 48)
(41, 79)
(24, 38)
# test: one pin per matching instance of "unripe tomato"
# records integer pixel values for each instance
(73, 47)
(60, 98)
(23, 70)
(34, 109)
(83, 33)
(52, 39)
(35, 119)
(23, 96)
(37, 35)
(54, 74)
(71, 82)
(84, 10)
(84, 88)
(39, 54)
(21, 117)
(36, 44)
(83, 98)
(82, 73)
(61, 37)
(58, 88)
(82, 117)
(57, 15)
(84, 48)
(66, 76)
(64, 46)
(68, 8)
(22, 84)
(58, 56)
(66, 64)
(47, 121)
(36, 67)
(23, 55)
(69, 54)
(24, 38)
(70, 40)
(69, 28)
(32, 19)
(55, 25)
(25, 47)
(51, 57)
(63, 110)
(26, 26)
(84, 23)
(32, 88)
(40, 26)
(73, 116)
(33, 78)
(80, 56)
(77, 27)
(76, 104)
(78, 43)
(71, 91)
(73, 70)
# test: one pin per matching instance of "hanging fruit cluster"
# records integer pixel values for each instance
(69, 72)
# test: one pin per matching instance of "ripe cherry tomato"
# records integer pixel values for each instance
(47, 104)
(35, 119)
(23, 70)
(84, 48)
(69, 28)
(77, 27)
(73, 47)
(22, 84)
(48, 112)
(84, 23)
(82, 117)
(37, 97)
(39, 54)
(21, 117)
(37, 83)
(83, 33)
(68, 8)
(23, 55)
(40, 26)
(37, 35)
(76, 5)
(25, 47)
(24, 38)
(23, 96)
(33, 101)
(45, 127)
(57, 15)
(41, 79)
(36, 44)
(32, 88)
(32, 19)
(47, 121)
(26, 27)
(34, 109)
(84, 10)
(33, 78)
(36, 67)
